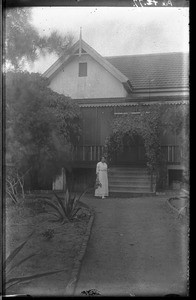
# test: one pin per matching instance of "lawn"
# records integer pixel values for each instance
(54, 246)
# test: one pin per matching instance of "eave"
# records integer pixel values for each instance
(135, 102)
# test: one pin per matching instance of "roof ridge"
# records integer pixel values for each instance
(147, 54)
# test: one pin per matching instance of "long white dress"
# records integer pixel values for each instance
(101, 171)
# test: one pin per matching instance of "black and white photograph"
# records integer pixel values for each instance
(96, 140)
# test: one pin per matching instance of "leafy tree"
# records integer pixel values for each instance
(23, 41)
(41, 126)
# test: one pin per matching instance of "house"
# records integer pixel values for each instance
(108, 86)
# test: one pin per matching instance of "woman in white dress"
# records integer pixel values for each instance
(102, 175)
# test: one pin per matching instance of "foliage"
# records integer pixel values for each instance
(15, 183)
(145, 125)
(177, 121)
(97, 183)
(92, 292)
(10, 264)
(23, 43)
(65, 208)
(149, 124)
(41, 126)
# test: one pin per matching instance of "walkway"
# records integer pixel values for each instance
(137, 246)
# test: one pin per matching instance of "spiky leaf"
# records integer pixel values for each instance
(19, 263)
(61, 204)
(12, 255)
(57, 209)
(18, 280)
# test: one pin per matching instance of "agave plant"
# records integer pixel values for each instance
(64, 208)
(9, 264)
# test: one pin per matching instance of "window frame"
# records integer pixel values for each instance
(82, 72)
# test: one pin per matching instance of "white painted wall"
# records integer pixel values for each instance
(99, 83)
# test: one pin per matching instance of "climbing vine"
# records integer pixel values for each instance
(149, 124)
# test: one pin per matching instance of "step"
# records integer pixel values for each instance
(141, 192)
(127, 168)
(123, 184)
(129, 173)
(121, 173)
(129, 188)
(129, 178)
(118, 194)
(128, 183)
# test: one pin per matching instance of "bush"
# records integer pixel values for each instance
(65, 208)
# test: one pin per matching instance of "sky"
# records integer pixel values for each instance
(114, 31)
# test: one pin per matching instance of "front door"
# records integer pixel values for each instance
(133, 152)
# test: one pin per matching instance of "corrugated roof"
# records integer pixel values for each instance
(159, 70)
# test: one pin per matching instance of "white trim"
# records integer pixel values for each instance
(120, 113)
(132, 103)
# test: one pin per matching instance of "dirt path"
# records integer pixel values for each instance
(137, 246)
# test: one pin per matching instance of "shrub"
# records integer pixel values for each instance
(65, 208)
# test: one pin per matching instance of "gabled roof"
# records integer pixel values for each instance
(65, 59)
(160, 70)
(138, 72)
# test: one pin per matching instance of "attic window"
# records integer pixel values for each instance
(82, 69)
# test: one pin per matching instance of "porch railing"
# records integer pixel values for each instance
(171, 153)
(88, 153)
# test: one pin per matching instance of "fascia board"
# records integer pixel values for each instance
(102, 61)
(58, 63)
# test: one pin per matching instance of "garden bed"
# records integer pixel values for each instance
(178, 202)
(54, 246)
(180, 205)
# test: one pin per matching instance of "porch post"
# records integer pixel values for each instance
(83, 153)
(91, 153)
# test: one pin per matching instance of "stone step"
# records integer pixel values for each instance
(129, 184)
(122, 173)
(138, 184)
(129, 190)
(128, 168)
(135, 194)
(129, 178)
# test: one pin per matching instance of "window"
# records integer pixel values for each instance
(82, 69)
